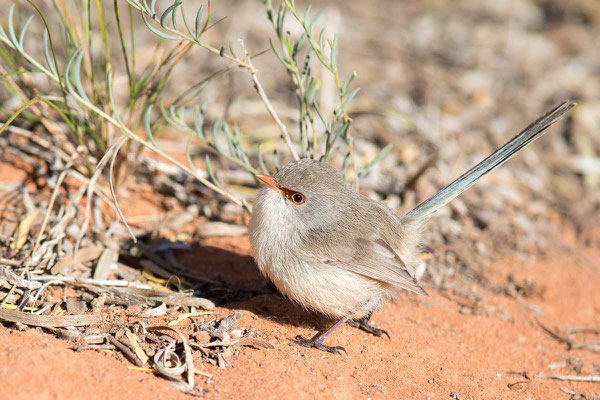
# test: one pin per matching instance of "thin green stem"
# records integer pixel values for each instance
(132, 44)
(125, 56)
(19, 111)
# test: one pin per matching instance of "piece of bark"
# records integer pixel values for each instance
(49, 321)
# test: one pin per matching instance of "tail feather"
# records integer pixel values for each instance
(528, 135)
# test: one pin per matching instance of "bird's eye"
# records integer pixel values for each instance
(298, 198)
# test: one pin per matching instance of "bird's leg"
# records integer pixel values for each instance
(363, 324)
(317, 340)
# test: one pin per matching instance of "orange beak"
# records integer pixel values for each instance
(269, 180)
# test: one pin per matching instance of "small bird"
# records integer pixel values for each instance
(340, 253)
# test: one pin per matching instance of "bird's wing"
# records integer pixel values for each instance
(372, 257)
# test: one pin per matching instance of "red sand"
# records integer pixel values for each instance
(435, 349)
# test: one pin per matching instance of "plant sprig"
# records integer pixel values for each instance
(307, 85)
(88, 105)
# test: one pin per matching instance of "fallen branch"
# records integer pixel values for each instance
(95, 282)
(123, 348)
(572, 344)
(574, 378)
(14, 279)
(48, 321)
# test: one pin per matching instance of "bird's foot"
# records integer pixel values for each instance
(316, 343)
(363, 325)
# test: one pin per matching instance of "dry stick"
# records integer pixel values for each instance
(125, 350)
(175, 299)
(88, 202)
(572, 344)
(48, 321)
(567, 391)
(574, 378)
(265, 99)
(7, 276)
(9, 262)
(160, 360)
(112, 188)
(589, 329)
(95, 282)
(556, 336)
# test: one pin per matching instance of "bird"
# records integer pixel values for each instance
(337, 252)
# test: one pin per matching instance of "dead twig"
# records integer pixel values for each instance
(12, 263)
(48, 321)
(89, 196)
(117, 147)
(265, 99)
(589, 329)
(177, 299)
(95, 282)
(585, 395)
(14, 279)
(572, 344)
(125, 350)
(573, 378)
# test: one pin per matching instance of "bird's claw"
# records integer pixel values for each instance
(302, 341)
(365, 326)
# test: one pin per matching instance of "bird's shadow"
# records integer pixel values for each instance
(241, 286)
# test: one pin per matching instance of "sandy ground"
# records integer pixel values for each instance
(438, 347)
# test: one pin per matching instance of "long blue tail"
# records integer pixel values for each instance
(528, 135)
